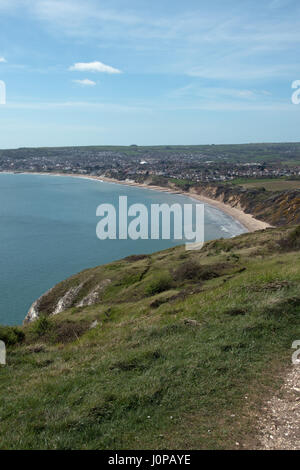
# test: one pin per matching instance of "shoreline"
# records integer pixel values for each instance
(246, 220)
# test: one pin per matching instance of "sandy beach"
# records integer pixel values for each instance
(247, 220)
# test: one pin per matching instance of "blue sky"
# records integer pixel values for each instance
(148, 72)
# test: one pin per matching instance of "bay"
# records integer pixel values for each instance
(48, 232)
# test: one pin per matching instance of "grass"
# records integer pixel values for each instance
(159, 283)
(269, 184)
(11, 335)
(188, 367)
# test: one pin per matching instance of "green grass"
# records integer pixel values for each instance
(147, 376)
(269, 184)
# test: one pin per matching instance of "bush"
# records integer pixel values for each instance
(130, 279)
(159, 284)
(191, 270)
(134, 258)
(41, 326)
(11, 335)
(67, 331)
(292, 241)
(187, 270)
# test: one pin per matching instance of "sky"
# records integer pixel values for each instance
(143, 72)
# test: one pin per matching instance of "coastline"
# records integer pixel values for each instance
(246, 220)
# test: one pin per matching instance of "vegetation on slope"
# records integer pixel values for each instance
(180, 360)
(278, 208)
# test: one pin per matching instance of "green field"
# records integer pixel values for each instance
(182, 359)
(270, 184)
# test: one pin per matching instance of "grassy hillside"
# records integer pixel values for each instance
(268, 184)
(177, 350)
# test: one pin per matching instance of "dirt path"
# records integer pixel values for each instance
(279, 427)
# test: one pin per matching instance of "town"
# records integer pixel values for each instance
(189, 163)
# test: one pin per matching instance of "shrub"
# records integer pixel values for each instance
(11, 335)
(191, 270)
(130, 279)
(66, 332)
(133, 258)
(41, 326)
(187, 270)
(292, 241)
(159, 284)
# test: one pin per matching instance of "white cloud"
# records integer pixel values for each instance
(85, 82)
(2, 59)
(235, 43)
(95, 66)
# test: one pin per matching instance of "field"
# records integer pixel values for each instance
(270, 184)
(183, 359)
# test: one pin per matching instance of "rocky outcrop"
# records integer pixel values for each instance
(34, 311)
(93, 296)
(56, 300)
(68, 299)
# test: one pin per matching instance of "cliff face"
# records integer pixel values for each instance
(276, 208)
(64, 296)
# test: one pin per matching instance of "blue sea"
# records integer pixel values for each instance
(48, 232)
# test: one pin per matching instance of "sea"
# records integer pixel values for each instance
(48, 232)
